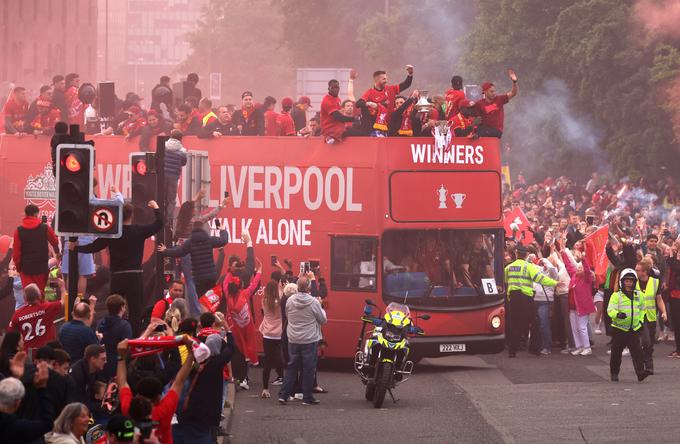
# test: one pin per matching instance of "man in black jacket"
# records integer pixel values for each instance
(126, 260)
(200, 246)
(248, 120)
(223, 126)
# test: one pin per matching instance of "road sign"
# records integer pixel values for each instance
(103, 219)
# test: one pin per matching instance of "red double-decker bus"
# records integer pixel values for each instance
(391, 219)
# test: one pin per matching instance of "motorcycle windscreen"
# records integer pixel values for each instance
(445, 196)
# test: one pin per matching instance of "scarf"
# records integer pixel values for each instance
(460, 121)
(381, 115)
(211, 299)
(133, 126)
(406, 128)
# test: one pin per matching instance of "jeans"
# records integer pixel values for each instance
(130, 285)
(543, 309)
(170, 202)
(579, 328)
(302, 357)
(192, 297)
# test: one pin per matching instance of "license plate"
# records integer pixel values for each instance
(451, 348)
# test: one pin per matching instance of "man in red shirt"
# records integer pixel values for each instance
(332, 119)
(176, 291)
(15, 110)
(270, 117)
(385, 94)
(285, 123)
(490, 108)
(453, 97)
(35, 320)
(152, 388)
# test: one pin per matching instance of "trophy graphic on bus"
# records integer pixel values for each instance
(441, 194)
(458, 199)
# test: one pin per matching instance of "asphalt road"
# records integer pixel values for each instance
(478, 399)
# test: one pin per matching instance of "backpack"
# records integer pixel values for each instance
(146, 314)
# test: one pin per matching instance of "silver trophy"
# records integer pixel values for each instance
(423, 104)
(442, 134)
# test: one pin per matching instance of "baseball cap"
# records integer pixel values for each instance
(122, 427)
(286, 102)
(305, 100)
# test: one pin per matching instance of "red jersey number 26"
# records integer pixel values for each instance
(29, 334)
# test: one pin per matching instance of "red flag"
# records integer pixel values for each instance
(517, 227)
(596, 245)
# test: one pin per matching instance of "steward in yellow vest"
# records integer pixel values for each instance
(651, 299)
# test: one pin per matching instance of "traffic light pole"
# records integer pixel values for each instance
(162, 236)
(72, 277)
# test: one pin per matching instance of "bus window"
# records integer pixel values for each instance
(353, 263)
(440, 268)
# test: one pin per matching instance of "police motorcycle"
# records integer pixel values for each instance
(382, 363)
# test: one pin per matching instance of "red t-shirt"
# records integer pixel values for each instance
(270, 126)
(492, 112)
(285, 124)
(387, 94)
(161, 412)
(160, 307)
(330, 126)
(36, 323)
(453, 98)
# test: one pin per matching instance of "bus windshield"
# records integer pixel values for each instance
(441, 268)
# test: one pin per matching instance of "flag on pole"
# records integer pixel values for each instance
(596, 245)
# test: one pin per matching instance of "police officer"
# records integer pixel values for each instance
(650, 294)
(519, 278)
(626, 310)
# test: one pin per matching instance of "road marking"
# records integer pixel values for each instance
(627, 390)
(250, 411)
(614, 403)
(651, 403)
(339, 410)
(299, 441)
(345, 394)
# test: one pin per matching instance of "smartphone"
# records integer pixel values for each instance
(274, 260)
(44, 219)
(226, 194)
(307, 267)
(217, 223)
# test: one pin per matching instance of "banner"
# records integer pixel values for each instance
(517, 227)
(596, 245)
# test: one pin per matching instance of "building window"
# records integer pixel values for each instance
(353, 263)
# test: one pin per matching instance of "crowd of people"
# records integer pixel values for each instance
(567, 302)
(382, 110)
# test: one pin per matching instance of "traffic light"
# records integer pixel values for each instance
(74, 188)
(143, 180)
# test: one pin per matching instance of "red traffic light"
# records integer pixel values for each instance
(140, 168)
(72, 163)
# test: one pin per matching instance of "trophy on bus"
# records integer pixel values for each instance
(442, 134)
(423, 104)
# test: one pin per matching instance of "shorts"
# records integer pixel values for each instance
(599, 296)
(86, 265)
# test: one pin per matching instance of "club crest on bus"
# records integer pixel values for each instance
(40, 190)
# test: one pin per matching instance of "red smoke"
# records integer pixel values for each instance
(659, 16)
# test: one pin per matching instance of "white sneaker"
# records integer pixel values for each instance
(598, 331)
(577, 351)
(587, 352)
(626, 352)
(244, 384)
(545, 352)
(299, 396)
(609, 352)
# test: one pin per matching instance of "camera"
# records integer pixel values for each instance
(304, 267)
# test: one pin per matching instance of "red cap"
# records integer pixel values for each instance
(486, 86)
(287, 102)
(305, 100)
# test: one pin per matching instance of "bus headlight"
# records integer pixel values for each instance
(496, 322)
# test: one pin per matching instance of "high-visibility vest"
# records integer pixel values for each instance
(649, 298)
(206, 119)
(520, 276)
(634, 310)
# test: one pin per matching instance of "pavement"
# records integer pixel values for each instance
(477, 399)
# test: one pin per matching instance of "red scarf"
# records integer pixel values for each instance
(153, 345)
(211, 299)
(460, 121)
(133, 126)
(406, 128)
(381, 116)
(46, 120)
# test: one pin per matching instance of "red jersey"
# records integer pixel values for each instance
(74, 106)
(492, 111)
(161, 412)
(285, 124)
(329, 126)
(161, 307)
(16, 111)
(270, 125)
(36, 323)
(453, 98)
(386, 97)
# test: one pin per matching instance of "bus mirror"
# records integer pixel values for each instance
(369, 302)
(424, 317)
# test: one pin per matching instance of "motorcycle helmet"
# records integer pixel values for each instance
(87, 93)
(627, 273)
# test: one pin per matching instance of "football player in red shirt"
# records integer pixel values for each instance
(332, 119)
(385, 94)
(285, 123)
(35, 320)
(490, 108)
(453, 97)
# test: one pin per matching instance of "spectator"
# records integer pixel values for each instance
(12, 346)
(59, 387)
(270, 116)
(59, 97)
(175, 159)
(206, 112)
(332, 120)
(674, 295)
(120, 429)
(175, 292)
(305, 317)
(151, 388)
(70, 426)
(541, 338)
(113, 329)
(454, 96)
(15, 111)
(185, 122)
(192, 91)
(384, 94)
(249, 121)
(126, 260)
(62, 362)
(87, 372)
(285, 123)
(200, 246)
(35, 320)
(74, 107)
(580, 300)
(77, 334)
(490, 108)
(299, 113)
(270, 327)
(199, 418)
(156, 125)
(30, 251)
(222, 126)
(20, 430)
